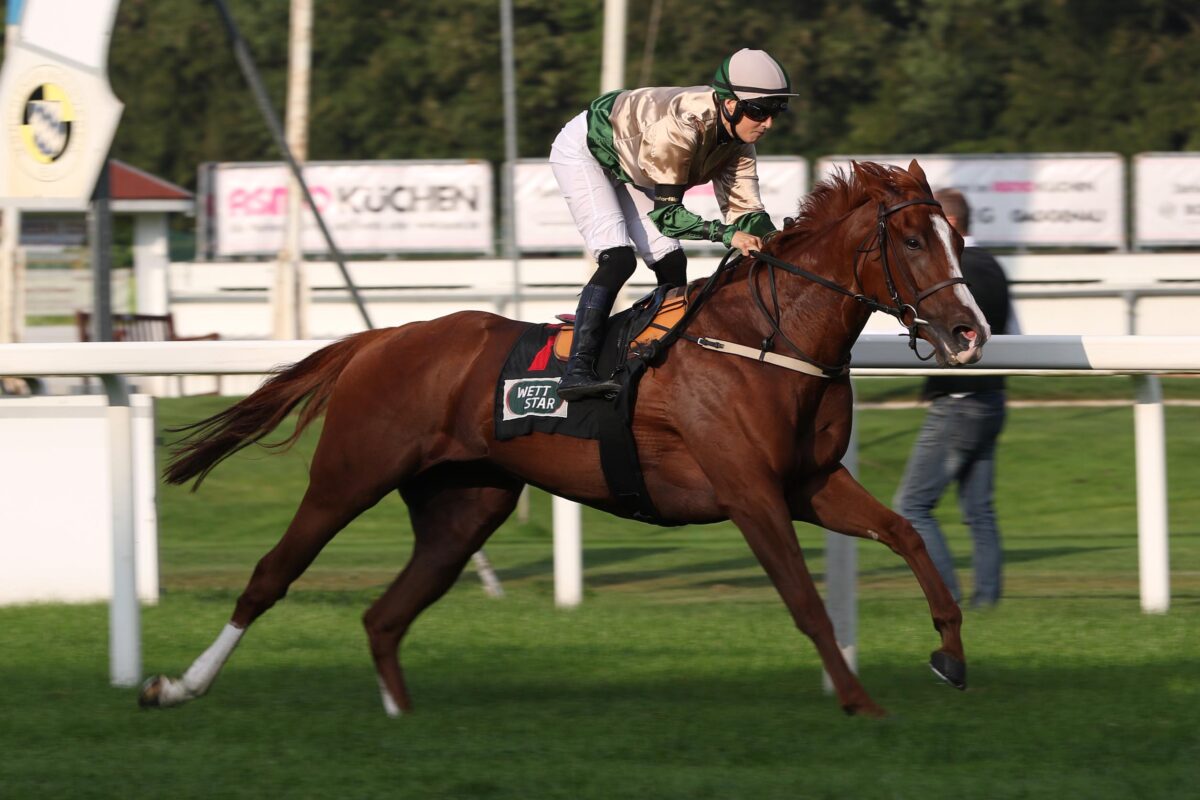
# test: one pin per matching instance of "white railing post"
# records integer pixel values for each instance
(124, 614)
(1150, 447)
(841, 576)
(568, 553)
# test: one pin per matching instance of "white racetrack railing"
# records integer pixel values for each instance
(874, 354)
(1146, 356)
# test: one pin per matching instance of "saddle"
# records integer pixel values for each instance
(526, 400)
(648, 321)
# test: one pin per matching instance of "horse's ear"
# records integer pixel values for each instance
(860, 172)
(873, 179)
(915, 170)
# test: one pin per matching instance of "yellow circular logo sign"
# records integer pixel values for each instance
(46, 123)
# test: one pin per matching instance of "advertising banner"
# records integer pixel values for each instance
(544, 222)
(1028, 200)
(59, 111)
(1166, 198)
(369, 207)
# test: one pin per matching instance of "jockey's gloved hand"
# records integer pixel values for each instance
(745, 242)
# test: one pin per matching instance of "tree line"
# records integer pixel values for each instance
(423, 80)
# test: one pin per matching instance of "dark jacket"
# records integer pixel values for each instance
(989, 286)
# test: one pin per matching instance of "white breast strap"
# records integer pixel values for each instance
(761, 355)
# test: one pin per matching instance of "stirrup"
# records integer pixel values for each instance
(589, 387)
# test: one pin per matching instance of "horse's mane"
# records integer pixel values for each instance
(843, 191)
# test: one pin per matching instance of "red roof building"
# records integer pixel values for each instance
(134, 190)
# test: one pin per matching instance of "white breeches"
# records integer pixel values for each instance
(607, 213)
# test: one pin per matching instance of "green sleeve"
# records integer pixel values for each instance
(756, 222)
(679, 223)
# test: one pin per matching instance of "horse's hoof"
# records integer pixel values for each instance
(949, 669)
(150, 695)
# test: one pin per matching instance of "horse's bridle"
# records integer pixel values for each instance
(899, 309)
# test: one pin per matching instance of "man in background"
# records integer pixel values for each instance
(958, 440)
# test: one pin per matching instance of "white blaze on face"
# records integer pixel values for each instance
(960, 289)
(971, 354)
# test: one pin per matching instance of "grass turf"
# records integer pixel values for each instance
(680, 676)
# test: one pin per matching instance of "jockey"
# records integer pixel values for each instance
(623, 166)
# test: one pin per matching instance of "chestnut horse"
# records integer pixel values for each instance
(719, 437)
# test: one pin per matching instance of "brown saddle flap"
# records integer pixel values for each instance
(671, 311)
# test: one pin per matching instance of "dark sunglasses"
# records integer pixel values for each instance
(760, 112)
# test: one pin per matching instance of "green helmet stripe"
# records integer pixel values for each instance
(721, 80)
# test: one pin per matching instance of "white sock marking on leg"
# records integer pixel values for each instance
(389, 705)
(203, 671)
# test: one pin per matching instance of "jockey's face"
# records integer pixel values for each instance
(749, 130)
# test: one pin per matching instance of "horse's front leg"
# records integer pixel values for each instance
(838, 502)
(763, 518)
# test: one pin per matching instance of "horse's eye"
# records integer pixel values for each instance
(912, 244)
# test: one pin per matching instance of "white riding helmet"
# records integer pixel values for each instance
(749, 74)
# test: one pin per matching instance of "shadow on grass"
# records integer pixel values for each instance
(597, 560)
(540, 680)
(594, 558)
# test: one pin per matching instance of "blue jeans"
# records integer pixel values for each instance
(958, 443)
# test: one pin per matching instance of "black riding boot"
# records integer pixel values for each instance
(671, 269)
(591, 318)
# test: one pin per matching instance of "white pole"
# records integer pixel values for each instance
(841, 576)
(568, 554)
(18, 278)
(150, 262)
(151, 259)
(507, 196)
(283, 295)
(568, 537)
(612, 77)
(291, 301)
(612, 68)
(1150, 448)
(124, 614)
(10, 234)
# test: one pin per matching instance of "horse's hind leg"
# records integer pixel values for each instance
(838, 502)
(454, 509)
(340, 488)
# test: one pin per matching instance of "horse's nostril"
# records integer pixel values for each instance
(966, 337)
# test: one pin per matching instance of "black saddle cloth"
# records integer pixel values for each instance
(527, 391)
(527, 400)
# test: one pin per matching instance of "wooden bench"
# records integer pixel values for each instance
(139, 328)
(143, 328)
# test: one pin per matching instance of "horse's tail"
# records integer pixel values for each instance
(309, 382)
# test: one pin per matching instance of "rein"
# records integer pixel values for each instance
(806, 364)
(678, 331)
(899, 309)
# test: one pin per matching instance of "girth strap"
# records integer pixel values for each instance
(618, 450)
